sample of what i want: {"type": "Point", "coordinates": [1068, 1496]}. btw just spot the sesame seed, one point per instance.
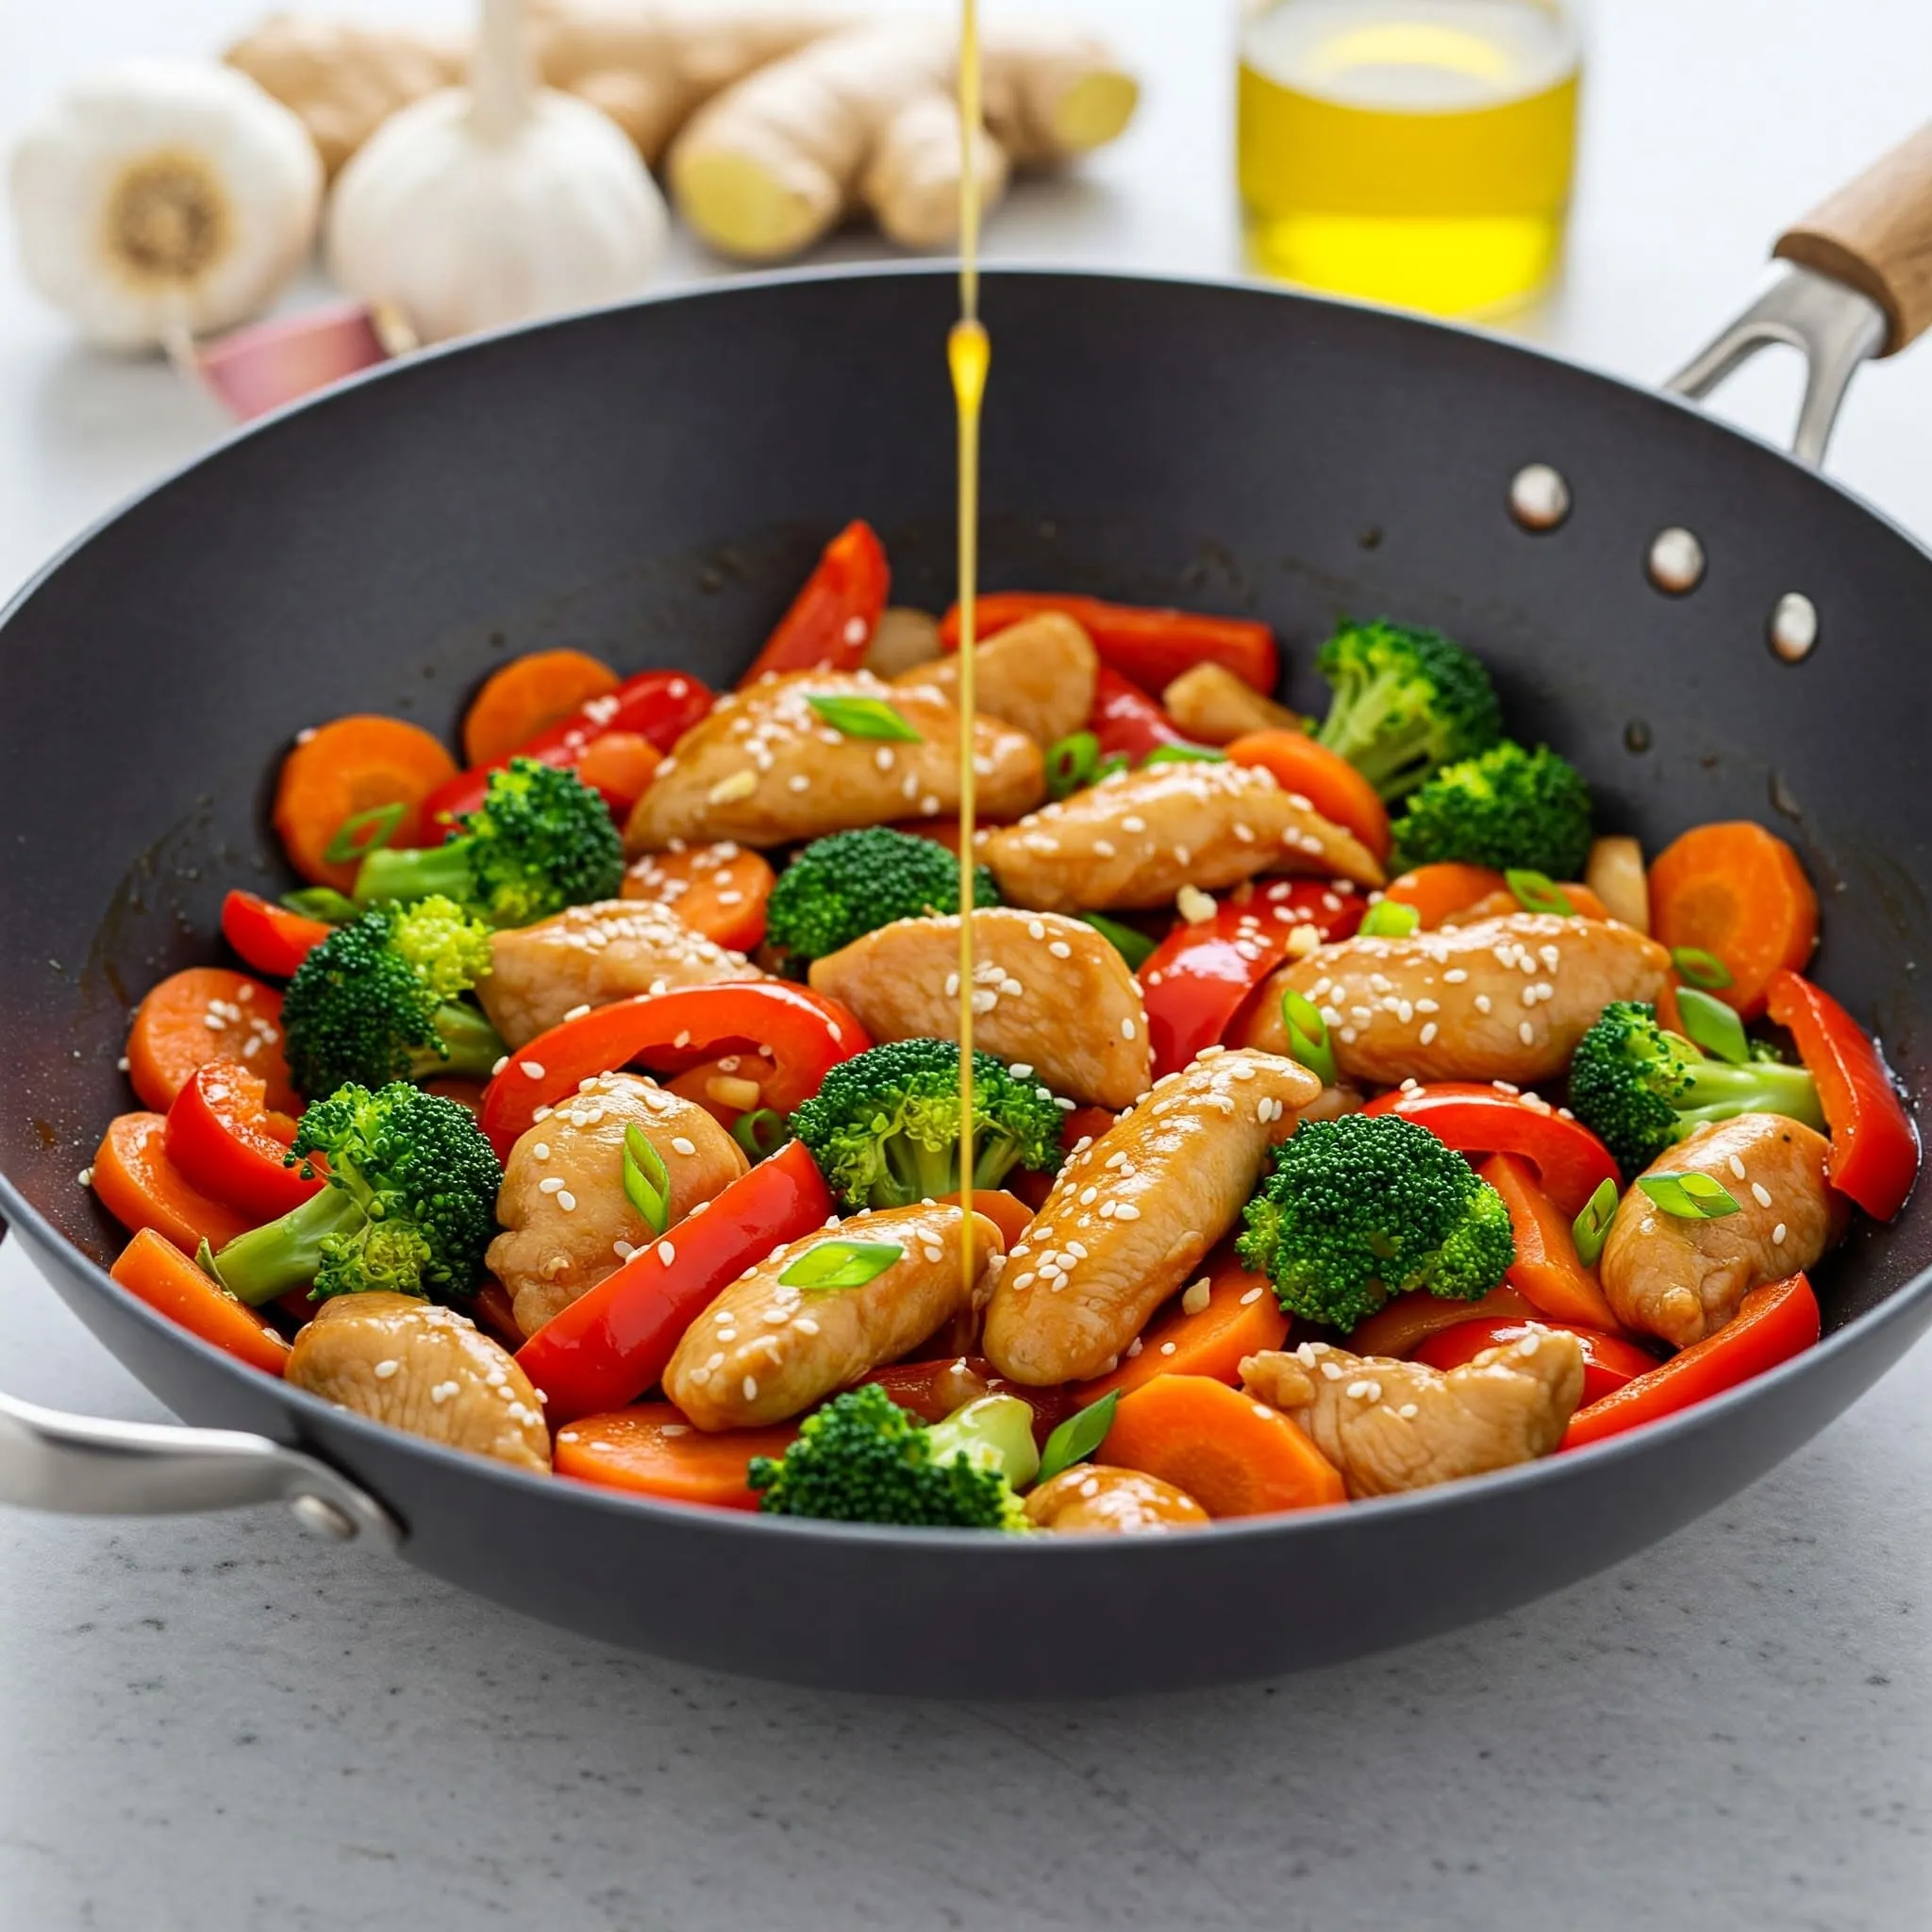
{"type": "Point", "coordinates": [1482, 1003]}
{"type": "Point", "coordinates": [531, 1070]}
{"type": "Point", "coordinates": [1167, 1348]}
{"type": "Point", "coordinates": [1429, 1033]}
{"type": "Point", "coordinates": [750, 1386]}
{"type": "Point", "coordinates": [550, 1184]}
{"type": "Point", "coordinates": [1737, 1167]}
{"type": "Point", "coordinates": [384, 1370]}
{"type": "Point", "coordinates": [666, 1253]}
{"type": "Point", "coordinates": [1408, 1411]}
{"type": "Point", "coordinates": [566, 1200]}
{"type": "Point", "coordinates": [1254, 1295]}
{"type": "Point", "coordinates": [1126, 1029]}
{"type": "Point", "coordinates": [1760, 1194]}
{"type": "Point", "coordinates": [443, 1391]}
{"type": "Point", "coordinates": [579, 1012]}
{"type": "Point", "coordinates": [502, 1061]}
{"type": "Point", "coordinates": [1455, 975]}
{"type": "Point", "coordinates": [1126, 1211]}
{"type": "Point", "coordinates": [680, 1145]}
{"type": "Point", "coordinates": [1777, 1235]}
{"type": "Point", "coordinates": [1526, 1033]}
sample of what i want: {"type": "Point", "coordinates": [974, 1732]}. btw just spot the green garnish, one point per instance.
{"type": "Point", "coordinates": [1700, 968]}
{"type": "Point", "coordinates": [1307, 1035]}
{"type": "Point", "coordinates": [1591, 1227]}
{"type": "Point", "coordinates": [1072, 762]}
{"type": "Point", "coordinates": [864, 718]}
{"type": "Point", "coordinates": [1713, 1025]}
{"type": "Point", "coordinates": [1079, 1437]}
{"type": "Point", "coordinates": [323, 902]}
{"type": "Point", "coordinates": [1536, 892]}
{"type": "Point", "coordinates": [1690, 1196]}
{"type": "Point", "coordinates": [1136, 948]}
{"type": "Point", "coordinates": [646, 1180]}
{"type": "Point", "coordinates": [834, 1265]}
{"type": "Point", "coordinates": [1390, 918]}
{"type": "Point", "coordinates": [1184, 755]}
{"type": "Point", "coordinates": [364, 832]}
{"type": "Point", "coordinates": [761, 1132]}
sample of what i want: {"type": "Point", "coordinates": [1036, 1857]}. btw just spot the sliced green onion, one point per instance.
{"type": "Point", "coordinates": [1690, 1196]}
{"type": "Point", "coordinates": [1071, 762]}
{"type": "Point", "coordinates": [864, 717]}
{"type": "Point", "coordinates": [761, 1132]}
{"type": "Point", "coordinates": [1307, 1035]}
{"type": "Point", "coordinates": [323, 902]}
{"type": "Point", "coordinates": [1079, 1437]}
{"type": "Point", "coordinates": [1536, 892]}
{"type": "Point", "coordinates": [1136, 948]}
{"type": "Point", "coordinates": [1700, 968]}
{"type": "Point", "coordinates": [1184, 755]}
{"type": "Point", "coordinates": [1114, 761]}
{"type": "Point", "coordinates": [1390, 918]}
{"type": "Point", "coordinates": [364, 832]}
{"type": "Point", "coordinates": [834, 1265]}
{"type": "Point", "coordinates": [1713, 1025]}
{"type": "Point", "coordinates": [646, 1179]}
{"type": "Point", "coordinates": [1593, 1226]}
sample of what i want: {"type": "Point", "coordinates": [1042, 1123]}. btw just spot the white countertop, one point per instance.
{"type": "Point", "coordinates": [216, 1724]}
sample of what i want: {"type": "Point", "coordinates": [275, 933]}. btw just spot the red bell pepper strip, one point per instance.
{"type": "Point", "coordinates": [1150, 647]}
{"type": "Point", "coordinates": [1547, 1271]}
{"type": "Point", "coordinates": [660, 705]}
{"type": "Point", "coordinates": [1875, 1145]}
{"type": "Point", "coordinates": [1127, 723]}
{"type": "Point", "coordinates": [1198, 976]}
{"type": "Point", "coordinates": [805, 1033]}
{"type": "Point", "coordinates": [832, 619]}
{"type": "Point", "coordinates": [269, 937]}
{"type": "Point", "coordinates": [1609, 1363]}
{"type": "Point", "coordinates": [1474, 1119]}
{"type": "Point", "coordinates": [1773, 1324]}
{"type": "Point", "coordinates": [227, 1143]}
{"type": "Point", "coordinates": [614, 1342]}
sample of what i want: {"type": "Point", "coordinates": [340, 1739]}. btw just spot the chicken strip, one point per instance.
{"type": "Point", "coordinates": [1506, 999]}
{"type": "Point", "coordinates": [1682, 1279]}
{"type": "Point", "coordinates": [767, 1349]}
{"type": "Point", "coordinates": [568, 1221]}
{"type": "Point", "coordinates": [1050, 994]}
{"type": "Point", "coordinates": [764, 768]}
{"type": "Point", "coordinates": [1137, 838]}
{"type": "Point", "coordinates": [1036, 675]}
{"type": "Point", "coordinates": [591, 956]}
{"type": "Point", "coordinates": [1131, 1215]}
{"type": "Point", "coordinates": [1388, 1425]}
{"type": "Point", "coordinates": [1091, 1499]}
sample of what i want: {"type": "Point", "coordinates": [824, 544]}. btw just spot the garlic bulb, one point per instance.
{"type": "Point", "coordinates": [164, 197]}
{"type": "Point", "coordinates": [472, 209]}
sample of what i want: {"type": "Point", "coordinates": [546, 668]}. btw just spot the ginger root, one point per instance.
{"type": "Point", "coordinates": [866, 118]}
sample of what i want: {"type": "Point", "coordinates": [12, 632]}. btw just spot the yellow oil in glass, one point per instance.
{"type": "Point", "coordinates": [1417, 152]}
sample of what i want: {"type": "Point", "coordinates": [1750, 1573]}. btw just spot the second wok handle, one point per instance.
{"type": "Point", "coordinates": [1876, 235]}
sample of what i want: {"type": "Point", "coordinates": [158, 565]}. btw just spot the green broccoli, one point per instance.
{"type": "Point", "coordinates": [410, 1206]}
{"type": "Point", "coordinates": [1368, 1207]}
{"type": "Point", "coordinates": [884, 1127]}
{"type": "Point", "coordinates": [376, 1001]}
{"type": "Point", "coordinates": [542, 840]}
{"type": "Point", "coordinates": [1641, 1089]}
{"type": "Point", "coordinates": [1507, 808]}
{"type": "Point", "coordinates": [842, 887]}
{"type": "Point", "coordinates": [1405, 703]}
{"type": "Point", "coordinates": [862, 1459]}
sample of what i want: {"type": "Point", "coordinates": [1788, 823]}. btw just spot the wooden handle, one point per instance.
{"type": "Point", "coordinates": [1875, 234]}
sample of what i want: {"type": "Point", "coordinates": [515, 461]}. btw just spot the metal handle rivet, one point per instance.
{"type": "Point", "coordinates": [1794, 627]}
{"type": "Point", "coordinates": [322, 1518]}
{"type": "Point", "coordinates": [1676, 561]}
{"type": "Point", "coordinates": [1538, 497]}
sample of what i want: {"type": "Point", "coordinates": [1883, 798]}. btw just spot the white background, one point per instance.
{"type": "Point", "coordinates": [216, 1724]}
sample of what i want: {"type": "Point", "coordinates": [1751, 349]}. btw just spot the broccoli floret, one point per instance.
{"type": "Point", "coordinates": [884, 1127]}
{"type": "Point", "coordinates": [1507, 808]}
{"type": "Point", "coordinates": [542, 840]}
{"type": "Point", "coordinates": [862, 1459]}
{"type": "Point", "coordinates": [1405, 701]}
{"type": "Point", "coordinates": [410, 1206]}
{"type": "Point", "coordinates": [1641, 1089]}
{"type": "Point", "coordinates": [840, 888]}
{"type": "Point", "coordinates": [376, 1001]}
{"type": "Point", "coordinates": [1368, 1207]}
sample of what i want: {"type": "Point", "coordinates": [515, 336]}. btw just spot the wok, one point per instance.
{"type": "Point", "coordinates": [653, 481]}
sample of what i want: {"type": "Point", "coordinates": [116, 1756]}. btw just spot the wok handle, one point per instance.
{"type": "Point", "coordinates": [1875, 234]}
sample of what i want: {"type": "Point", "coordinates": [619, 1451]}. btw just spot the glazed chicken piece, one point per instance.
{"type": "Point", "coordinates": [764, 768]}
{"type": "Point", "coordinates": [1051, 993]}
{"type": "Point", "coordinates": [426, 1368]}
{"type": "Point", "coordinates": [1506, 999]}
{"type": "Point", "coordinates": [1388, 1425]}
{"type": "Point", "coordinates": [1036, 675]}
{"type": "Point", "coordinates": [1138, 837]}
{"type": "Point", "coordinates": [767, 1349]}
{"type": "Point", "coordinates": [1214, 706]}
{"type": "Point", "coordinates": [1682, 1280]}
{"type": "Point", "coordinates": [1131, 1215]}
{"type": "Point", "coordinates": [591, 956]}
{"type": "Point", "coordinates": [567, 1220]}
{"type": "Point", "coordinates": [1091, 1499]}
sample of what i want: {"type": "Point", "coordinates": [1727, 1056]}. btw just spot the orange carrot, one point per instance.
{"type": "Point", "coordinates": [1436, 891]}
{"type": "Point", "coordinates": [651, 1449]}
{"type": "Point", "coordinates": [142, 1188]}
{"type": "Point", "coordinates": [1547, 1270]}
{"type": "Point", "coordinates": [156, 1272]}
{"type": "Point", "coordinates": [527, 695]}
{"type": "Point", "coordinates": [725, 1087]}
{"type": "Point", "coordinates": [620, 764]}
{"type": "Point", "coordinates": [1236, 1456]}
{"type": "Point", "coordinates": [354, 765]}
{"type": "Point", "coordinates": [208, 1013]}
{"type": "Point", "coordinates": [1583, 903]}
{"type": "Point", "coordinates": [1738, 892]}
{"type": "Point", "coordinates": [1411, 1319]}
{"type": "Point", "coordinates": [1324, 779]}
{"type": "Point", "coordinates": [719, 890]}
{"type": "Point", "coordinates": [1006, 1212]}
{"type": "Point", "coordinates": [1242, 1318]}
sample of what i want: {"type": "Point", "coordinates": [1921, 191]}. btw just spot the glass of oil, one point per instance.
{"type": "Point", "coordinates": [1416, 152]}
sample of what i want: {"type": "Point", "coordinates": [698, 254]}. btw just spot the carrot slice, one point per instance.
{"type": "Point", "coordinates": [354, 765]}
{"type": "Point", "coordinates": [1436, 891]}
{"type": "Point", "coordinates": [1547, 1270]}
{"type": "Point", "coordinates": [1499, 905]}
{"type": "Point", "coordinates": [1006, 1212]}
{"type": "Point", "coordinates": [156, 1272]}
{"type": "Point", "coordinates": [1242, 1318]}
{"type": "Point", "coordinates": [1324, 779]}
{"type": "Point", "coordinates": [651, 1449]}
{"type": "Point", "coordinates": [621, 765]}
{"type": "Point", "coordinates": [528, 696]}
{"type": "Point", "coordinates": [208, 1013]}
{"type": "Point", "coordinates": [1236, 1456]}
{"type": "Point", "coordinates": [142, 1188]}
{"type": "Point", "coordinates": [1411, 1319]}
{"type": "Point", "coordinates": [1738, 892]}
{"type": "Point", "coordinates": [719, 890]}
